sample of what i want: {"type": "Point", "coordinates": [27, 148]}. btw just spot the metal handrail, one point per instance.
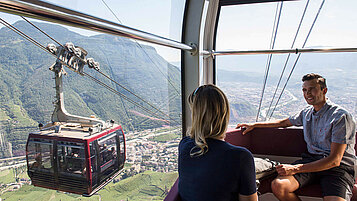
{"type": "Point", "coordinates": [53, 13]}
{"type": "Point", "coordinates": [278, 51]}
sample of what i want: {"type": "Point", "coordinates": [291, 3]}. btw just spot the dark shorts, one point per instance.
{"type": "Point", "coordinates": [337, 181]}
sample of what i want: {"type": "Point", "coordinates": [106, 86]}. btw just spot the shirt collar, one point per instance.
{"type": "Point", "coordinates": [323, 109]}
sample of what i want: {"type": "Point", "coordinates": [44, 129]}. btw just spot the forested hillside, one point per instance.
{"type": "Point", "coordinates": [26, 84]}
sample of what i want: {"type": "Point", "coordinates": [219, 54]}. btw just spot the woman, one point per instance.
{"type": "Point", "coordinates": [209, 167]}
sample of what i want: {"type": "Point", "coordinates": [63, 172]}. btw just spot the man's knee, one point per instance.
{"type": "Point", "coordinates": [278, 186]}
{"type": "Point", "coordinates": [284, 185]}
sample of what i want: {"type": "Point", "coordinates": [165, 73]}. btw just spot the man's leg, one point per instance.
{"type": "Point", "coordinates": [337, 183]}
{"type": "Point", "coordinates": [333, 198]}
{"type": "Point", "coordinates": [283, 188]}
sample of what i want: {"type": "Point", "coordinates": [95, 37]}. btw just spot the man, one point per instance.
{"type": "Point", "coordinates": [329, 132]}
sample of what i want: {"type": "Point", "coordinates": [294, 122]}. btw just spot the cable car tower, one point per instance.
{"type": "Point", "coordinates": [72, 153]}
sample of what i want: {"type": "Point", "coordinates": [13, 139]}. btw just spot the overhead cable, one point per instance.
{"type": "Point", "coordinates": [94, 79]}
{"type": "Point", "coordinates": [121, 99]}
{"type": "Point", "coordinates": [106, 76]}
{"type": "Point", "coordinates": [143, 121]}
{"type": "Point", "coordinates": [125, 97]}
{"type": "Point", "coordinates": [287, 59]}
{"type": "Point", "coordinates": [23, 34]}
{"type": "Point", "coordinates": [298, 57]}
{"type": "Point", "coordinates": [272, 44]}
{"type": "Point", "coordinates": [148, 56]}
{"type": "Point", "coordinates": [167, 78]}
{"type": "Point", "coordinates": [41, 30]}
{"type": "Point", "coordinates": [112, 12]}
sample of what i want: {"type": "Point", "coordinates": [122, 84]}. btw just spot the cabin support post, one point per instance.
{"type": "Point", "coordinates": [189, 61]}
{"type": "Point", "coordinates": [208, 43]}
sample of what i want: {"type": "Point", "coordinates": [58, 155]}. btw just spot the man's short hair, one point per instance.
{"type": "Point", "coordinates": [320, 80]}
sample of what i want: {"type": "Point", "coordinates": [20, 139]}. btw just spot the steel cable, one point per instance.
{"type": "Point", "coordinates": [152, 61]}
{"type": "Point", "coordinates": [94, 79]}
{"type": "Point", "coordinates": [287, 59]}
{"type": "Point", "coordinates": [23, 35]}
{"type": "Point", "coordinates": [106, 76]}
{"type": "Point", "coordinates": [122, 95]}
{"type": "Point", "coordinates": [168, 80]}
{"type": "Point", "coordinates": [121, 99]}
{"type": "Point", "coordinates": [272, 44]}
{"type": "Point", "coordinates": [41, 30]}
{"type": "Point", "coordinates": [298, 57]}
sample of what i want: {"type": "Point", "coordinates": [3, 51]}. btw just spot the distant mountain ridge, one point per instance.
{"type": "Point", "coordinates": [26, 84]}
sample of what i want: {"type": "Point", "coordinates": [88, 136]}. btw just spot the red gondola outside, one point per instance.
{"type": "Point", "coordinates": [61, 160]}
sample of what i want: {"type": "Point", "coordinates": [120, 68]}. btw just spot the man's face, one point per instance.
{"type": "Point", "coordinates": [313, 93]}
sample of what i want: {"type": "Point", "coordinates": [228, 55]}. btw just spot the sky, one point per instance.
{"type": "Point", "coordinates": [162, 18]}
{"type": "Point", "coordinates": [240, 27]}
{"type": "Point", "coordinates": [252, 28]}
{"type": "Point", "coordinates": [148, 15]}
{"type": "Point", "coordinates": [335, 26]}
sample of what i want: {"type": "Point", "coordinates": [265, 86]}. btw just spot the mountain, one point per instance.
{"type": "Point", "coordinates": [326, 64]}
{"type": "Point", "coordinates": [147, 185]}
{"type": "Point", "coordinates": [26, 84]}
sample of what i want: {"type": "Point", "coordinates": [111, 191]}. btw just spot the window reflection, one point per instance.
{"type": "Point", "coordinates": [40, 155]}
{"type": "Point", "coordinates": [71, 158]}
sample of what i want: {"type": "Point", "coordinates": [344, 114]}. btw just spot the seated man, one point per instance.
{"type": "Point", "coordinates": [329, 132]}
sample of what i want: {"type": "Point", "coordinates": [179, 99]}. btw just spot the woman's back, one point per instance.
{"type": "Point", "coordinates": [222, 173]}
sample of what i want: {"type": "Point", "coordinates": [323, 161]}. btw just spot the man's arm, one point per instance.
{"type": "Point", "coordinates": [281, 123]}
{"type": "Point", "coordinates": [333, 160]}
{"type": "Point", "coordinates": [253, 197]}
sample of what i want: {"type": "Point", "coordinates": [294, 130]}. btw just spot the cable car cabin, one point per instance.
{"type": "Point", "coordinates": [73, 160]}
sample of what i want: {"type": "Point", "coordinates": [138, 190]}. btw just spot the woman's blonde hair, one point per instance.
{"type": "Point", "coordinates": [210, 116]}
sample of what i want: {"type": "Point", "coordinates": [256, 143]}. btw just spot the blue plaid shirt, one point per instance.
{"type": "Point", "coordinates": [330, 124]}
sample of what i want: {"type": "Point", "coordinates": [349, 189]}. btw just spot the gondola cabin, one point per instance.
{"type": "Point", "coordinates": [69, 158]}
{"type": "Point", "coordinates": [73, 153]}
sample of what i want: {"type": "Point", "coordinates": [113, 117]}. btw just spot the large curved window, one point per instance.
{"type": "Point", "coordinates": [144, 95]}
{"type": "Point", "coordinates": [250, 27]}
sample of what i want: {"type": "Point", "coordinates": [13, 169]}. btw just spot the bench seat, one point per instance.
{"type": "Point", "coordinates": [271, 143]}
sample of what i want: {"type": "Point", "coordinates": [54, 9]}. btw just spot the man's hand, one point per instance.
{"type": "Point", "coordinates": [287, 170]}
{"type": "Point", "coordinates": [248, 127]}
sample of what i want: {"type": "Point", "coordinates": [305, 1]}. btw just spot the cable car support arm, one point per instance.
{"type": "Point", "coordinates": [74, 57]}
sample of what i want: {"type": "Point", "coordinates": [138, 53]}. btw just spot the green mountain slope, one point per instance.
{"type": "Point", "coordinates": [144, 186]}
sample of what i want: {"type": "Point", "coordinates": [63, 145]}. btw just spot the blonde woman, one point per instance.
{"type": "Point", "coordinates": [209, 167]}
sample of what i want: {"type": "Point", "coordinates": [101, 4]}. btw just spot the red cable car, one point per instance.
{"type": "Point", "coordinates": [74, 154]}
{"type": "Point", "coordinates": [73, 160]}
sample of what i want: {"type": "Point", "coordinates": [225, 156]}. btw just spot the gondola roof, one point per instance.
{"type": "Point", "coordinates": [73, 131]}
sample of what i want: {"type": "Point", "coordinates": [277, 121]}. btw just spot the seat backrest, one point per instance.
{"type": "Point", "coordinates": [270, 141]}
